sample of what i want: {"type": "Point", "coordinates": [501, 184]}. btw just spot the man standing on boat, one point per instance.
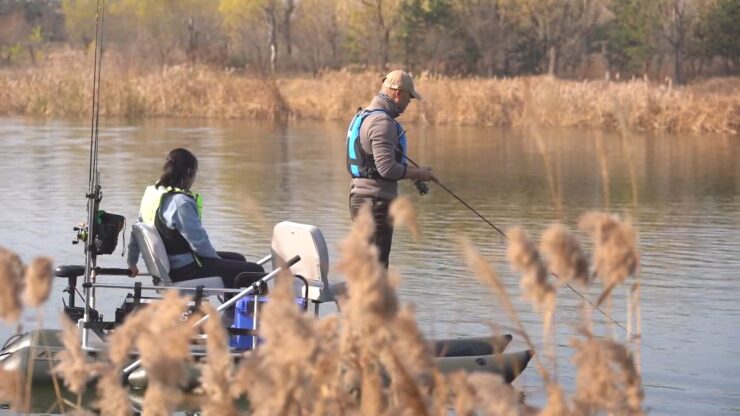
{"type": "Point", "coordinates": [376, 155]}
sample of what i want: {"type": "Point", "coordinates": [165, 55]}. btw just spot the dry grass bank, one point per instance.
{"type": "Point", "coordinates": [60, 87]}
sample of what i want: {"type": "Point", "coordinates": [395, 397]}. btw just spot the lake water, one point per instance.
{"type": "Point", "coordinates": [683, 194]}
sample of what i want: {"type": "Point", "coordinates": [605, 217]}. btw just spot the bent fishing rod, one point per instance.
{"type": "Point", "coordinates": [441, 185]}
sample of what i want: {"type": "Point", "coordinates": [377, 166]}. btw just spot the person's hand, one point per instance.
{"type": "Point", "coordinates": [425, 174]}
{"type": "Point", "coordinates": [133, 271]}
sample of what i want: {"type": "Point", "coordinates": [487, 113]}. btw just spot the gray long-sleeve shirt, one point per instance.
{"type": "Point", "coordinates": [180, 213]}
{"type": "Point", "coordinates": [379, 137]}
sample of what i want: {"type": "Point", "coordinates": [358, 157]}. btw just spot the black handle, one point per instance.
{"type": "Point", "coordinates": [295, 259]}
{"type": "Point", "coordinates": [113, 271]}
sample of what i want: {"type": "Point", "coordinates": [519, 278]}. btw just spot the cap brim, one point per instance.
{"type": "Point", "coordinates": [416, 95]}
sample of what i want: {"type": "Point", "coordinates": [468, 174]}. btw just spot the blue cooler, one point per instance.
{"type": "Point", "coordinates": [244, 319]}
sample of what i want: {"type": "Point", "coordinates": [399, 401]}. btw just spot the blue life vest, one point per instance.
{"type": "Point", "coordinates": [360, 164]}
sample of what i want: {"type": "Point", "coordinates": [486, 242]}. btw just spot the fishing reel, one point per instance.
{"type": "Point", "coordinates": [422, 187]}
{"type": "Point", "coordinates": [80, 233]}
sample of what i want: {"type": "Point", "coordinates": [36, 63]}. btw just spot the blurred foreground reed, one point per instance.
{"type": "Point", "coordinates": [372, 358]}
{"type": "Point", "coordinates": [60, 87]}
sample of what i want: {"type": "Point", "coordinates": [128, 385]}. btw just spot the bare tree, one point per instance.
{"type": "Point", "coordinates": [677, 18]}
{"type": "Point", "coordinates": [556, 22]}
{"type": "Point", "coordinates": [386, 16]}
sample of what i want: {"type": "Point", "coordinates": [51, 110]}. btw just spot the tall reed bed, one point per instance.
{"type": "Point", "coordinates": [372, 358]}
{"type": "Point", "coordinates": [61, 87]}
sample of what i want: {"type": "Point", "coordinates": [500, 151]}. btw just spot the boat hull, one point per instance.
{"type": "Point", "coordinates": [36, 353]}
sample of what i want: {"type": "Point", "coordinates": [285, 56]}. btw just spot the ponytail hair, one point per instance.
{"type": "Point", "coordinates": [178, 170]}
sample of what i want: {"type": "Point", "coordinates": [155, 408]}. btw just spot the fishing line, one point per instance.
{"type": "Point", "coordinates": [614, 321]}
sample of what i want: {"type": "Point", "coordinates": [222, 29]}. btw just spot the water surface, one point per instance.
{"type": "Point", "coordinates": [681, 192]}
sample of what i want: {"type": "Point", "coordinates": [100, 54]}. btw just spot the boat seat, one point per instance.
{"type": "Point", "coordinates": [290, 239]}
{"type": "Point", "coordinates": [155, 256]}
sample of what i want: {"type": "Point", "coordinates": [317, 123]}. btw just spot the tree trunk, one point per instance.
{"type": "Point", "coordinates": [193, 35]}
{"type": "Point", "coordinates": [289, 9]}
{"type": "Point", "coordinates": [552, 59]}
{"type": "Point", "coordinates": [272, 27]}
{"type": "Point", "coordinates": [385, 54]}
{"type": "Point", "coordinates": [677, 66]}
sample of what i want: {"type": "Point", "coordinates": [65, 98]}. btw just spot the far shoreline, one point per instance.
{"type": "Point", "coordinates": [60, 88]}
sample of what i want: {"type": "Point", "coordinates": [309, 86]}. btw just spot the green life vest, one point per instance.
{"type": "Point", "coordinates": [152, 200]}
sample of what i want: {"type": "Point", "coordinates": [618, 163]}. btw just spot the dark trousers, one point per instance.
{"type": "Point", "coordinates": [383, 236]}
{"type": "Point", "coordinates": [233, 268]}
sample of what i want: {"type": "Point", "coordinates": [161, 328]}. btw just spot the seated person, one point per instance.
{"type": "Point", "coordinates": [176, 213]}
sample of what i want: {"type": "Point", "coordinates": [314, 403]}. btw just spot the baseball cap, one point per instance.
{"type": "Point", "coordinates": [401, 80]}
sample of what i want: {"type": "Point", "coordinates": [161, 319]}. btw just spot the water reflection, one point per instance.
{"type": "Point", "coordinates": [681, 192]}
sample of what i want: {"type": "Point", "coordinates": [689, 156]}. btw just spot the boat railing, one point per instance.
{"type": "Point", "coordinates": [231, 302]}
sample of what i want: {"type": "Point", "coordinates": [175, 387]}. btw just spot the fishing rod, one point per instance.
{"type": "Point", "coordinates": [94, 194]}
{"type": "Point", "coordinates": [435, 180]}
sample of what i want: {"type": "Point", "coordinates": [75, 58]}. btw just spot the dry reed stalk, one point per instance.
{"type": "Point", "coordinates": [606, 378]}
{"type": "Point", "coordinates": [112, 396]}
{"type": "Point", "coordinates": [524, 258]}
{"type": "Point", "coordinates": [12, 390]}
{"type": "Point", "coordinates": [11, 285]}
{"type": "Point", "coordinates": [441, 397]}
{"type": "Point", "coordinates": [216, 377]}
{"type": "Point", "coordinates": [373, 400]}
{"type": "Point", "coordinates": [286, 358]}
{"type": "Point", "coordinates": [566, 258]}
{"type": "Point", "coordinates": [557, 402]}
{"type": "Point", "coordinates": [636, 335]}
{"type": "Point", "coordinates": [412, 379]}
{"type": "Point", "coordinates": [480, 393]}
{"type": "Point", "coordinates": [403, 214]}
{"type": "Point", "coordinates": [371, 294]}
{"type": "Point", "coordinates": [79, 412]}
{"type": "Point", "coordinates": [615, 249]}
{"type": "Point", "coordinates": [485, 274]}
{"type": "Point", "coordinates": [163, 341]}
{"type": "Point", "coordinates": [627, 148]}
{"type": "Point", "coordinates": [370, 305]}
{"type": "Point", "coordinates": [38, 281]}
{"type": "Point", "coordinates": [73, 366]}
{"type": "Point", "coordinates": [463, 393]}
{"type": "Point", "coordinates": [531, 113]}
{"type": "Point", "coordinates": [332, 398]}
{"type": "Point", "coordinates": [407, 397]}
{"type": "Point", "coordinates": [603, 170]}
{"type": "Point", "coordinates": [418, 355]}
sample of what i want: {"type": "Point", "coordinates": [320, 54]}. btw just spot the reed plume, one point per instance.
{"type": "Point", "coordinates": [566, 258]}
{"type": "Point", "coordinates": [403, 213]}
{"type": "Point", "coordinates": [12, 390]}
{"type": "Point", "coordinates": [486, 275]}
{"type": "Point", "coordinates": [412, 378]}
{"type": "Point", "coordinates": [406, 396]}
{"type": "Point", "coordinates": [289, 345]}
{"type": "Point", "coordinates": [11, 285]}
{"type": "Point", "coordinates": [525, 258]}
{"type": "Point", "coordinates": [557, 402]}
{"type": "Point", "coordinates": [38, 281]}
{"type": "Point", "coordinates": [113, 398]}
{"type": "Point", "coordinates": [217, 375]}
{"type": "Point", "coordinates": [615, 249]}
{"type": "Point", "coordinates": [163, 342]}
{"type": "Point", "coordinates": [606, 378]}
{"type": "Point", "coordinates": [371, 303]}
{"type": "Point", "coordinates": [484, 394]}
{"type": "Point", "coordinates": [73, 366]}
